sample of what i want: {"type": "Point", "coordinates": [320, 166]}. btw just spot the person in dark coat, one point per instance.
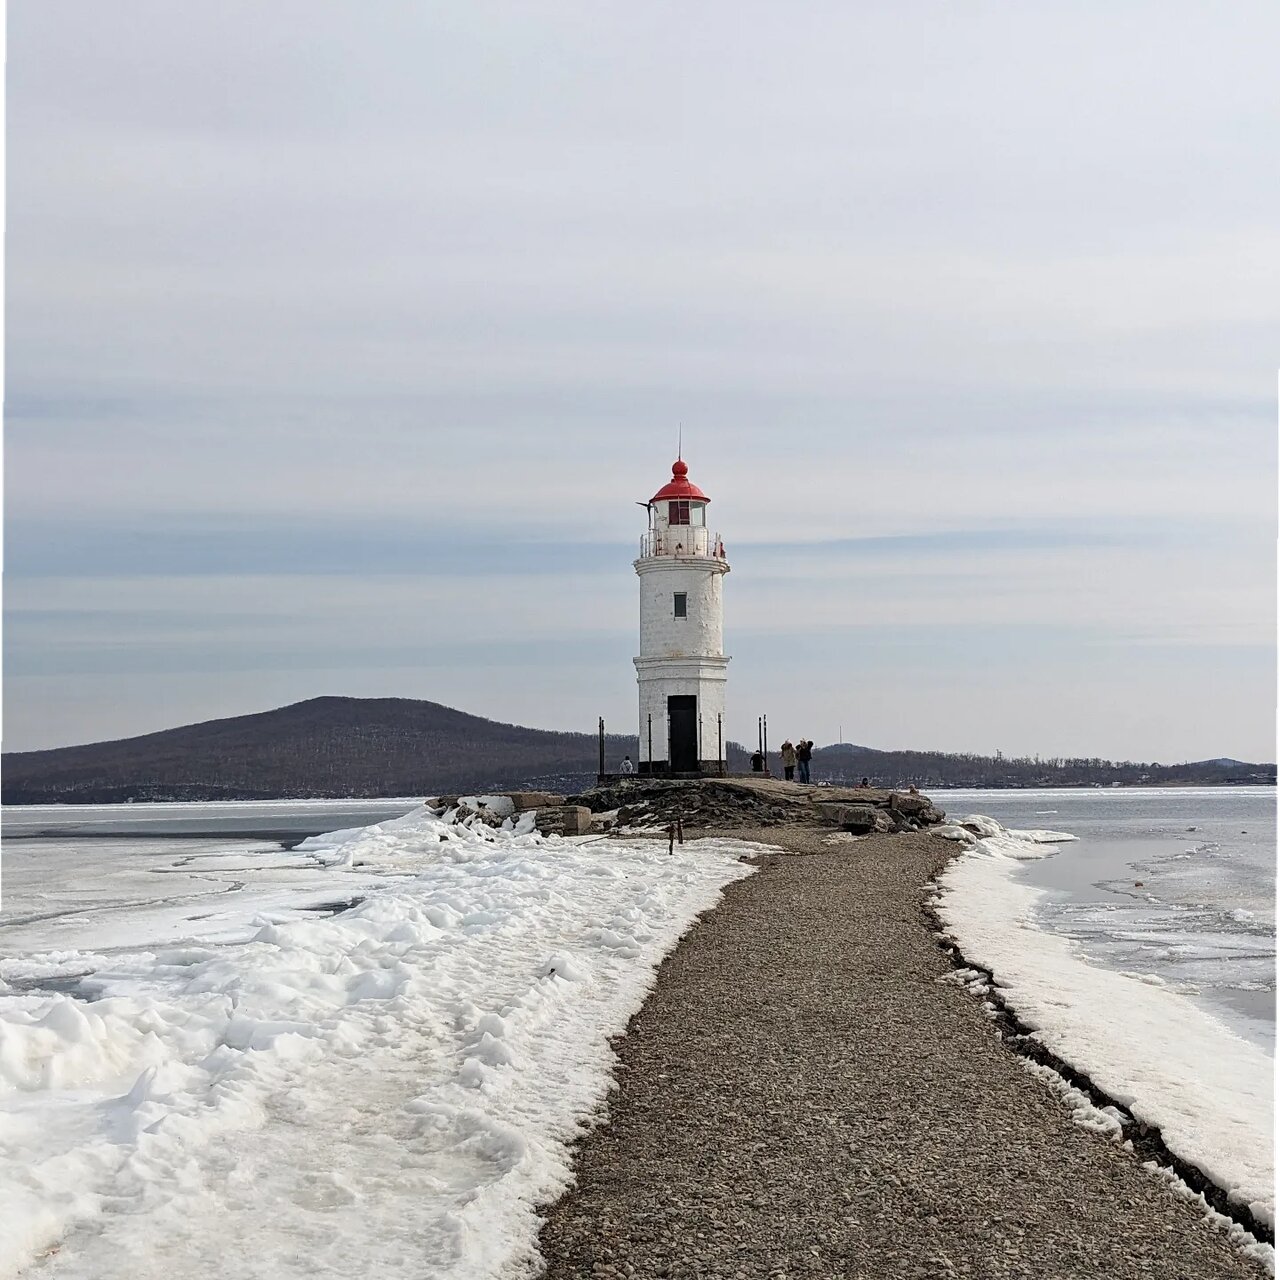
{"type": "Point", "coordinates": [804, 753]}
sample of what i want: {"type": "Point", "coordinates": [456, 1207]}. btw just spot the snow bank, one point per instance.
{"type": "Point", "coordinates": [394, 1084]}
{"type": "Point", "coordinates": [1172, 1066]}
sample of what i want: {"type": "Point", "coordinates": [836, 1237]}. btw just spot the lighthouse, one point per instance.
{"type": "Point", "coordinates": [682, 667]}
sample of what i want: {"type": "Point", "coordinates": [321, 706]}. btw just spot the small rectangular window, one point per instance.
{"type": "Point", "coordinates": [678, 512]}
{"type": "Point", "coordinates": [682, 604]}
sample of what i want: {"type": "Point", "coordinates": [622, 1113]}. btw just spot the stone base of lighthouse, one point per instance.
{"type": "Point", "coordinates": [682, 715]}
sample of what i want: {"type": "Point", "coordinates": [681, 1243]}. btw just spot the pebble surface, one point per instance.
{"type": "Point", "coordinates": [803, 1096]}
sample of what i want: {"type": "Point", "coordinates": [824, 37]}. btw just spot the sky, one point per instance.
{"type": "Point", "coordinates": [341, 341]}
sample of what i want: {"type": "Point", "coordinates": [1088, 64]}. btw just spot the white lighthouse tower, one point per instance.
{"type": "Point", "coordinates": [682, 666]}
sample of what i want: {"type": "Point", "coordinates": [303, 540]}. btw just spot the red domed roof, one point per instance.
{"type": "Point", "coordinates": [679, 486]}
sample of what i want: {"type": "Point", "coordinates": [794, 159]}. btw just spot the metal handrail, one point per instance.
{"type": "Point", "coordinates": [686, 540]}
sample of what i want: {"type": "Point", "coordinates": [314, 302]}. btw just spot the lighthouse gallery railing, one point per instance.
{"type": "Point", "coordinates": [683, 540]}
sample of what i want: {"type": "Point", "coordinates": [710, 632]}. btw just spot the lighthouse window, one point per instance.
{"type": "Point", "coordinates": [679, 512]}
{"type": "Point", "coordinates": [682, 604]}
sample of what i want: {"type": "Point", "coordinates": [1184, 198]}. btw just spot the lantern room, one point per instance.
{"type": "Point", "coordinates": [678, 519]}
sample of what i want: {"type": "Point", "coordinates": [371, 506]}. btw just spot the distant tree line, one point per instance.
{"type": "Point", "coordinates": [923, 769]}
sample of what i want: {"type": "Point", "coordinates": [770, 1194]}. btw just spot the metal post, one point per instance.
{"type": "Point", "coordinates": [602, 746]}
{"type": "Point", "coordinates": [699, 741]}
{"type": "Point", "coordinates": [720, 741]}
{"type": "Point", "coordinates": [764, 729]}
{"type": "Point", "coordinates": [650, 741]}
{"type": "Point", "coordinates": [759, 735]}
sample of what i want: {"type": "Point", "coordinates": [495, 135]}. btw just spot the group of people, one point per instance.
{"type": "Point", "coordinates": [796, 757]}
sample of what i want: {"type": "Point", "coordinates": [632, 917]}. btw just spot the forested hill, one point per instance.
{"type": "Point", "coordinates": [344, 747]}
{"type": "Point", "coordinates": [338, 747]}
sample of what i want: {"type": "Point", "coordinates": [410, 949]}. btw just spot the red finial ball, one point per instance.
{"type": "Point", "coordinates": [679, 487]}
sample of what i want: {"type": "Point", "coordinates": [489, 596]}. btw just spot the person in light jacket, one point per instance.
{"type": "Point", "coordinates": [627, 766]}
{"type": "Point", "coordinates": [788, 761]}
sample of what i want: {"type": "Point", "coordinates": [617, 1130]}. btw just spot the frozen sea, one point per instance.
{"type": "Point", "coordinates": [234, 1047]}
{"type": "Point", "coordinates": [1175, 882]}
{"type": "Point", "coordinates": [1133, 934]}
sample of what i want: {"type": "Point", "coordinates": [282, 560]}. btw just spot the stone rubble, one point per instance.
{"type": "Point", "coordinates": [711, 804]}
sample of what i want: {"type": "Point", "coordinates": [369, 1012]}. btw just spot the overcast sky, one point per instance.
{"type": "Point", "coordinates": [342, 339]}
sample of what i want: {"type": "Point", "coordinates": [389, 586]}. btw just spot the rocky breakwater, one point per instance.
{"type": "Point", "coordinates": [550, 814]}
{"type": "Point", "coordinates": [735, 803]}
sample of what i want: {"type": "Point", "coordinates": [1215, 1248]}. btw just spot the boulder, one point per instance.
{"type": "Point", "coordinates": [911, 805]}
{"type": "Point", "coordinates": [473, 813]}
{"type": "Point", "coordinates": [860, 819]}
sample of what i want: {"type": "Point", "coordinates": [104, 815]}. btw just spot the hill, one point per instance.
{"type": "Point", "coordinates": [324, 747]}
{"type": "Point", "coordinates": [347, 747]}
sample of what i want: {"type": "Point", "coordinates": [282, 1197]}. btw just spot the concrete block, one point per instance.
{"type": "Point", "coordinates": [524, 800]}
{"type": "Point", "coordinates": [564, 820]}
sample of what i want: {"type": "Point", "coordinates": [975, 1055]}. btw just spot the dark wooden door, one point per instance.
{"type": "Point", "coordinates": [683, 714]}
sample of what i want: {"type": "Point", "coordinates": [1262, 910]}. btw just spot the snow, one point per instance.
{"type": "Point", "coordinates": [261, 1092]}
{"type": "Point", "coordinates": [1166, 1061]}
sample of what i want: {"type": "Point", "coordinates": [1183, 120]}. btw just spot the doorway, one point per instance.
{"type": "Point", "coordinates": [682, 713]}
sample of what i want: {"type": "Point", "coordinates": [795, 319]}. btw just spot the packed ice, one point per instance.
{"type": "Point", "coordinates": [1169, 1063]}
{"type": "Point", "coordinates": [287, 1093]}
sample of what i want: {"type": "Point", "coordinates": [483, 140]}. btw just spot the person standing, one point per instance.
{"type": "Point", "coordinates": [804, 753]}
{"type": "Point", "coordinates": [627, 766]}
{"type": "Point", "coordinates": [789, 760]}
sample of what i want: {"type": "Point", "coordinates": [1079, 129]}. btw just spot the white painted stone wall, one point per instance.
{"type": "Point", "coordinates": [662, 634]}
{"type": "Point", "coordinates": [660, 679]}
{"type": "Point", "coordinates": [680, 656]}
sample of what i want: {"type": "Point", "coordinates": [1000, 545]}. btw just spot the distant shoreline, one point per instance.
{"type": "Point", "coordinates": [193, 797]}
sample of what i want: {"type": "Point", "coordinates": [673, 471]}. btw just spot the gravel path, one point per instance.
{"type": "Point", "coordinates": [801, 1096]}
